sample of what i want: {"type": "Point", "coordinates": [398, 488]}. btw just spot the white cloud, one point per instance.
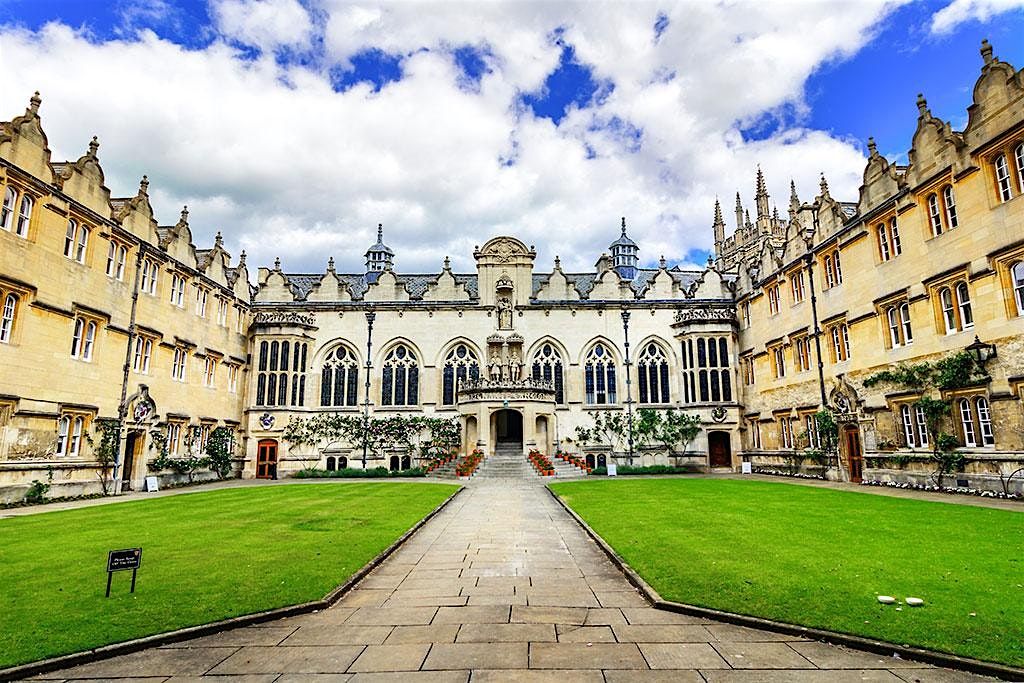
{"type": "Point", "coordinates": [284, 165]}
{"type": "Point", "coordinates": [960, 11]}
{"type": "Point", "coordinates": [266, 24]}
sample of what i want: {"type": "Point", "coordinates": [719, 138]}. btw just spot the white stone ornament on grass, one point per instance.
{"type": "Point", "coordinates": [914, 602]}
{"type": "Point", "coordinates": [886, 599]}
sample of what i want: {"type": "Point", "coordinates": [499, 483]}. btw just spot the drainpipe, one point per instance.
{"type": "Point", "coordinates": [122, 407]}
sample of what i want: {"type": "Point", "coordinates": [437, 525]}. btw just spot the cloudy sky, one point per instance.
{"type": "Point", "coordinates": [295, 126]}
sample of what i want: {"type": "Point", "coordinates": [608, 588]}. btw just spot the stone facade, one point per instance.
{"type": "Point", "coordinates": [99, 304]}
{"type": "Point", "coordinates": [927, 260]}
{"type": "Point", "coordinates": [516, 353]}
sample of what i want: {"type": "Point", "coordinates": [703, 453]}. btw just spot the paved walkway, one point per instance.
{"type": "Point", "coordinates": [502, 586]}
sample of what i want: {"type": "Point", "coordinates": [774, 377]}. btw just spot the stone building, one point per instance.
{"type": "Point", "coordinates": [929, 259]}
{"type": "Point", "coordinates": [103, 308]}
{"type": "Point", "coordinates": [106, 314]}
{"type": "Point", "coordinates": [518, 356]}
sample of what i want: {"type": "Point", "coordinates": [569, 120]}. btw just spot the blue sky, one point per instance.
{"type": "Point", "coordinates": [532, 118]}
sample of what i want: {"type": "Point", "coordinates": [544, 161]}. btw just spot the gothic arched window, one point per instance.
{"type": "Point", "coordinates": [339, 379]}
{"type": "Point", "coordinates": [652, 372]}
{"type": "Point", "coordinates": [461, 363]}
{"type": "Point", "coordinates": [400, 378]}
{"type": "Point", "coordinates": [599, 376]}
{"type": "Point", "coordinates": [547, 364]}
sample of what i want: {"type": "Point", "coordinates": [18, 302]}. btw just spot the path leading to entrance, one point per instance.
{"type": "Point", "coordinates": [502, 586]}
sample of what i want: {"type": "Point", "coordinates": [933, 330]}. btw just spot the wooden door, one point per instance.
{"type": "Point", "coordinates": [266, 459]}
{"type": "Point", "coordinates": [128, 465]}
{"type": "Point", "coordinates": [854, 454]}
{"type": "Point", "coordinates": [719, 452]}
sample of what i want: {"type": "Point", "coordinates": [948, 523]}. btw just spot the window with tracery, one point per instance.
{"type": "Point", "coordinates": [599, 376]}
{"type": "Point", "coordinates": [652, 374]}
{"type": "Point", "coordinates": [707, 375]}
{"type": "Point", "coordinates": [460, 364]}
{"type": "Point", "coordinates": [400, 378]}
{"type": "Point", "coordinates": [339, 378]}
{"type": "Point", "coordinates": [547, 364]}
{"type": "Point", "coordinates": [281, 363]}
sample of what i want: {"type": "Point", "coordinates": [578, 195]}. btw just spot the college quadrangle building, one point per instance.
{"type": "Point", "coordinates": [103, 312]}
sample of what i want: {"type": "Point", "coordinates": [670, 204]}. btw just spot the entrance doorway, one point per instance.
{"type": "Point", "coordinates": [266, 459]}
{"type": "Point", "coordinates": [509, 427]}
{"type": "Point", "coordinates": [854, 454]}
{"type": "Point", "coordinates": [132, 446]}
{"type": "Point", "coordinates": [719, 450]}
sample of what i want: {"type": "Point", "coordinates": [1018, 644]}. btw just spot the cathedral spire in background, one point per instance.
{"type": "Point", "coordinates": [761, 195]}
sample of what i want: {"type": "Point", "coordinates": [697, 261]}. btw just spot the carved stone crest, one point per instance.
{"type": "Point", "coordinates": [715, 314]}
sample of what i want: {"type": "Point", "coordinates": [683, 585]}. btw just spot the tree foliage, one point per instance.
{"type": "Point", "coordinates": [667, 429]}
{"type": "Point", "coordinates": [430, 437]}
{"type": "Point", "coordinates": [955, 371]}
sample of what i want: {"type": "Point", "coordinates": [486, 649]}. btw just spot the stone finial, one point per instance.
{"type": "Point", "coordinates": [94, 145]}
{"type": "Point", "coordinates": [823, 185]}
{"type": "Point", "coordinates": [760, 186]}
{"type": "Point", "coordinates": [241, 258]}
{"type": "Point", "coordinates": [447, 263]}
{"type": "Point", "coordinates": [558, 263]}
{"type": "Point", "coordinates": [277, 264]}
{"type": "Point", "coordinates": [380, 233]}
{"type": "Point", "coordinates": [184, 215]}
{"type": "Point", "coordinates": [794, 200]}
{"type": "Point", "coordinates": [775, 212]}
{"type": "Point", "coordinates": [718, 213]}
{"type": "Point", "coordinates": [986, 52]}
{"type": "Point", "coordinates": [330, 264]}
{"type": "Point", "coordinates": [922, 105]}
{"type": "Point", "coordinates": [662, 263]}
{"type": "Point", "coordinates": [218, 239]}
{"type": "Point", "coordinates": [623, 226]}
{"type": "Point", "coordinates": [746, 217]}
{"type": "Point", "coordinates": [872, 147]}
{"type": "Point", "coordinates": [711, 261]}
{"type": "Point", "coordinates": [34, 102]}
{"type": "Point", "coordinates": [144, 185]}
{"type": "Point", "coordinates": [739, 204]}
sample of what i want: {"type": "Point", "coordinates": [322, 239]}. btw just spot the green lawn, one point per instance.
{"type": "Point", "coordinates": [818, 557]}
{"type": "Point", "coordinates": [206, 556]}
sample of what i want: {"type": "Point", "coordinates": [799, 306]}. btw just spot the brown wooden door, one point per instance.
{"type": "Point", "coordinates": [854, 454]}
{"type": "Point", "coordinates": [719, 452]}
{"type": "Point", "coordinates": [266, 459]}
{"type": "Point", "coordinates": [131, 444]}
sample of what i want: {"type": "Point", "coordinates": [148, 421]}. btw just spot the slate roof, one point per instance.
{"type": "Point", "coordinates": [416, 284]}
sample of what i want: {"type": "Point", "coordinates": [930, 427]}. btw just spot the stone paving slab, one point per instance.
{"type": "Point", "coordinates": [502, 586]}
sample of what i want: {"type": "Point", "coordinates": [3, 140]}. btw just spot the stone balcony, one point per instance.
{"type": "Point", "coordinates": [526, 389]}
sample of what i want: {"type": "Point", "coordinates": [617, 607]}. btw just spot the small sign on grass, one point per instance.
{"type": "Point", "coordinates": [123, 560]}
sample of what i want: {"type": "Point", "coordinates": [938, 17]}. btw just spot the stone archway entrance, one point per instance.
{"type": "Point", "coordinates": [508, 429]}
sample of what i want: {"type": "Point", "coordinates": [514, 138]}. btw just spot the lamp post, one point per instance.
{"type": "Point", "coordinates": [629, 387]}
{"type": "Point", "coordinates": [809, 256]}
{"type": "Point", "coordinates": [370, 317]}
{"type": "Point", "coordinates": [981, 352]}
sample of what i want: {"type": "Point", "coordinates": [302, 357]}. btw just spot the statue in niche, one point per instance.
{"type": "Point", "coordinates": [514, 366]}
{"type": "Point", "coordinates": [504, 313]}
{"type": "Point", "coordinates": [494, 366]}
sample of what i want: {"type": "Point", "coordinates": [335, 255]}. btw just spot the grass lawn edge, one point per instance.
{"type": "Point", "coordinates": [935, 657]}
{"type": "Point", "coordinates": [188, 633]}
